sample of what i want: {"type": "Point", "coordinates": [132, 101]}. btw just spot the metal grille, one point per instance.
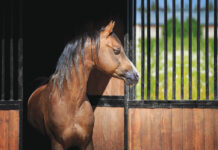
{"type": "Point", "coordinates": [11, 35]}
{"type": "Point", "coordinates": [192, 77]}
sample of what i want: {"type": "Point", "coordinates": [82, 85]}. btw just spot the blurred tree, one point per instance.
{"type": "Point", "coordinates": [178, 28]}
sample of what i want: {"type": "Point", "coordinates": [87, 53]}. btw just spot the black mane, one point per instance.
{"type": "Point", "coordinates": [69, 56]}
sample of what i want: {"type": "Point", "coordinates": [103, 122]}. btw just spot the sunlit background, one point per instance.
{"type": "Point", "coordinates": [178, 49]}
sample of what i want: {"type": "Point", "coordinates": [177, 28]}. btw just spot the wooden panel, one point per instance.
{"type": "Point", "coordinates": [187, 129]}
{"type": "Point", "coordinates": [134, 129]}
{"type": "Point", "coordinates": [166, 129]}
{"type": "Point", "coordinates": [101, 84]}
{"type": "Point", "coordinates": [13, 133]}
{"type": "Point", "coordinates": [177, 129]}
{"type": "Point", "coordinates": [209, 129]}
{"type": "Point", "coordinates": [146, 124]}
{"type": "Point", "coordinates": [4, 117]}
{"type": "Point", "coordinates": [108, 132]}
{"type": "Point", "coordinates": [198, 129]}
{"type": "Point", "coordinates": [215, 112]}
{"type": "Point", "coordinates": [9, 130]}
{"type": "Point", "coordinates": [155, 129]}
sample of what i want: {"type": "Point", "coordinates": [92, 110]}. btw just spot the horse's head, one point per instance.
{"type": "Point", "coordinates": [111, 57]}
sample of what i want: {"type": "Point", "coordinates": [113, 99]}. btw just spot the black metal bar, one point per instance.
{"type": "Point", "coordinates": [173, 104]}
{"type": "Point", "coordinates": [157, 50]}
{"type": "Point", "coordinates": [148, 51]}
{"type": "Point", "coordinates": [11, 68]}
{"type": "Point", "coordinates": [174, 51]}
{"type": "Point", "coordinates": [3, 69]}
{"type": "Point", "coordinates": [142, 49]}
{"type": "Point", "coordinates": [10, 105]}
{"type": "Point", "coordinates": [20, 52]}
{"type": "Point", "coordinates": [126, 118]}
{"type": "Point", "coordinates": [165, 51]}
{"type": "Point", "coordinates": [3, 51]}
{"type": "Point", "coordinates": [11, 50]}
{"type": "Point", "coordinates": [118, 101]}
{"type": "Point", "coordinates": [107, 101]}
{"type": "Point", "coordinates": [215, 50]}
{"type": "Point", "coordinates": [207, 51]}
{"type": "Point", "coordinates": [126, 88]}
{"type": "Point", "coordinates": [198, 51]}
{"type": "Point", "coordinates": [130, 53]}
{"type": "Point", "coordinates": [134, 42]}
{"type": "Point", "coordinates": [182, 49]}
{"type": "Point", "coordinates": [190, 49]}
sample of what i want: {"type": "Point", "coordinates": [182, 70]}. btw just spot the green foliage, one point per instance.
{"type": "Point", "coordinates": [170, 28]}
{"type": "Point", "coordinates": [178, 28]}
{"type": "Point", "coordinates": [194, 28]}
{"type": "Point", "coordinates": [178, 68]}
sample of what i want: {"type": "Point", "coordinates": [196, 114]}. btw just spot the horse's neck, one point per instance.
{"type": "Point", "coordinates": [77, 85]}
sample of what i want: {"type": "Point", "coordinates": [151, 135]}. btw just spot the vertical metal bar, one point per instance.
{"type": "Point", "coordinates": [157, 50]}
{"type": "Point", "coordinates": [20, 52]}
{"type": "Point", "coordinates": [20, 72]}
{"type": "Point", "coordinates": [215, 50]}
{"type": "Point", "coordinates": [165, 51]}
{"type": "Point", "coordinates": [11, 69]}
{"type": "Point", "coordinates": [130, 54]}
{"type": "Point", "coordinates": [11, 50]}
{"type": "Point", "coordinates": [182, 49]}
{"type": "Point", "coordinates": [126, 107]}
{"type": "Point", "coordinates": [142, 49]}
{"type": "Point", "coordinates": [174, 51]}
{"type": "Point", "coordinates": [3, 52]}
{"type": "Point", "coordinates": [190, 49]}
{"type": "Point", "coordinates": [3, 68]}
{"type": "Point", "coordinates": [134, 40]}
{"type": "Point", "coordinates": [206, 51]}
{"type": "Point", "coordinates": [148, 51]}
{"type": "Point", "coordinates": [198, 51]}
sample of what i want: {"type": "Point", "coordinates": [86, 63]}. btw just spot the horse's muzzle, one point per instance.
{"type": "Point", "coordinates": [131, 77]}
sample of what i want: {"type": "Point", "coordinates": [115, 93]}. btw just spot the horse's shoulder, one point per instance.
{"type": "Point", "coordinates": [37, 92]}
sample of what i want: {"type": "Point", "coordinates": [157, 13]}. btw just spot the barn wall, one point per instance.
{"type": "Point", "coordinates": [173, 129]}
{"type": "Point", "coordinates": [9, 129]}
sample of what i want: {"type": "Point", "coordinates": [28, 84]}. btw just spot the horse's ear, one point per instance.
{"type": "Point", "coordinates": [109, 28]}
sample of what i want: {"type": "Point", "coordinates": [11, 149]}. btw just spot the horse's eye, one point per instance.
{"type": "Point", "coordinates": [117, 51]}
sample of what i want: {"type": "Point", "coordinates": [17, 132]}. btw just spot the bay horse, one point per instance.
{"type": "Point", "coordinates": [60, 108]}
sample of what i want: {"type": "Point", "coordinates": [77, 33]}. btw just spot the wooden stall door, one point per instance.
{"type": "Point", "coordinates": [9, 130]}
{"type": "Point", "coordinates": [173, 129]}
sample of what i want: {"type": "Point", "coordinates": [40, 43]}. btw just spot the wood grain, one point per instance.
{"type": "Point", "coordinates": [9, 130]}
{"type": "Point", "coordinates": [166, 129]}
{"type": "Point", "coordinates": [215, 112]}
{"type": "Point", "coordinates": [14, 130]}
{"type": "Point", "coordinates": [198, 129]}
{"type": "Point", "coordinates": [209, 129]}
{"type": "Point", "coordinates": [145, 132]}
{"type": "Point", "coordinates": [155, 129]}
{"type": "Point", "coordinates": [177, 129]}
{"type": "Point", "coordinates": [187, 129]}
{"type": "Point", "coordinates": [108, 132]}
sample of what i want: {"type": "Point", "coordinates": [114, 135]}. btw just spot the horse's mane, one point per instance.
{"type": "Point", "coordinates": [69, 56]}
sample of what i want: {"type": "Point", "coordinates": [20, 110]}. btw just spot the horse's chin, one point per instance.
{"type": "Point", "coordinates": [130, 82]}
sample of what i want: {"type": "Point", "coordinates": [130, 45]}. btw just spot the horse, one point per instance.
{"type": "Point", "coordinates": [60, 108]}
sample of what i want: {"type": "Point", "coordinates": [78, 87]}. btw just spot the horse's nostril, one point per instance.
{"type": "Point", "coordinates": [136, 76]}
